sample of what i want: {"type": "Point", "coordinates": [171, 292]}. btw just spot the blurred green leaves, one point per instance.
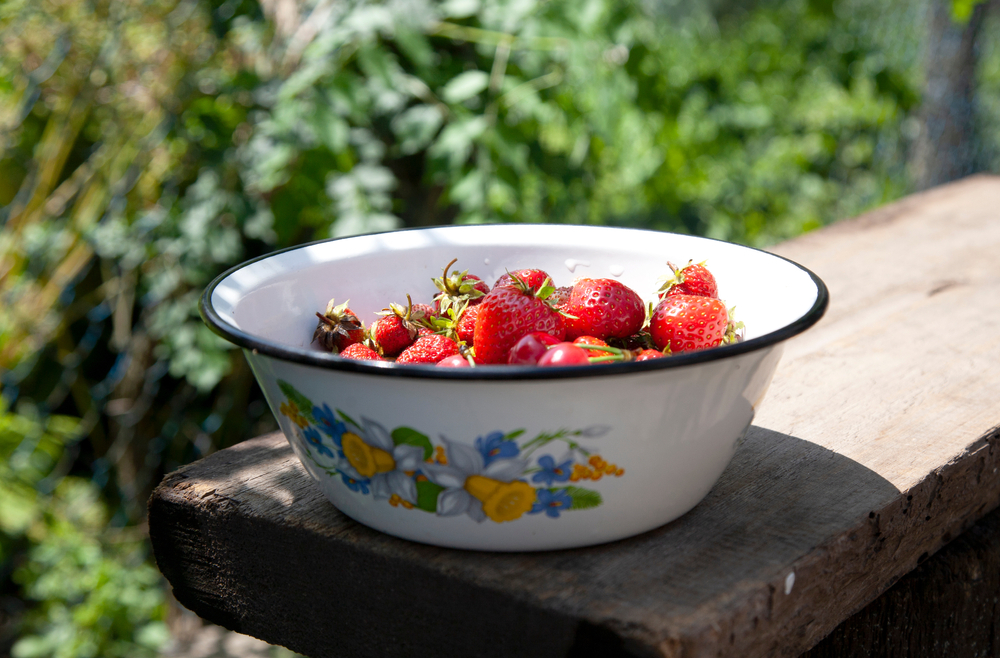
{"type": "Point", "coordinates": [95, 592]}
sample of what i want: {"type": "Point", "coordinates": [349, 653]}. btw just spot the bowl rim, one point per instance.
{"type": "Point", "coordinates": [329, 361]}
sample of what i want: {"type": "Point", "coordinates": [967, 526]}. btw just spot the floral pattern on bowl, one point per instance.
{"type": "Point", "coordinates": [501, 477]}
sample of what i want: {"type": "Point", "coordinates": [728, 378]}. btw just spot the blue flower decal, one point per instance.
{"type": "Point", "coordinates": [493, 447]}
{"type": "Point", "coordinates": [355, 485]}
{"type": "Point", "coordinates": [551, 502]}
{"type": "Point", "coordinates": [552, 472]}
{"type": "Point", "coordinates": [328, 422]}
{"type": "Point", "coordinates": [316, 441]}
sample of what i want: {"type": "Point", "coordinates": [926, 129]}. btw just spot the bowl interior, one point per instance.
{"type": "Point", "coordinates": [274, 299]}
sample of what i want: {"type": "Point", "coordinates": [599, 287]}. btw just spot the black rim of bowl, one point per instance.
{"type": "Point", "coordinates": [320, 359]}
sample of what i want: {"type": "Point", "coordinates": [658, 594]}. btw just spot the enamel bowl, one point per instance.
{"type": "Point", "coordinates": [507, 458]}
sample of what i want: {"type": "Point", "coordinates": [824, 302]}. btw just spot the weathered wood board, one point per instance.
{"type": "Point", "coordinates": [948, 607]}
{"type": "Point", "coordinates": [876, 445]}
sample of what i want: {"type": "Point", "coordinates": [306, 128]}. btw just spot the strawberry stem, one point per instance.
{"type": "Point", "coordinates": [603, 348]}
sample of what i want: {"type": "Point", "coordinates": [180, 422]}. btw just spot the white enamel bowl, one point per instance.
{"type": "Point", "coordinates": [508, 458]}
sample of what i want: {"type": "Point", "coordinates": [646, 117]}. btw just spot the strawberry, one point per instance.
{"type": "Point", "coordinates": [692, 279]}
{"type": "Point", "coordinates": [647, 354]}
{"type": "Point", "coordinates": [360, 352]}
{"type": "Point", "coordinates": [427, 310]}
{"type": "Point", "coordinates": [589, 340]}
{"type": "Point", "coordinates": [428, 349]}
{"type": "Point", "coordinates": [397, 328]}
{"type": "Point", "coordinates": [466, 325]}
{"type": "Point", "coordinates": [600, 352]}
{"type": "Point", "coordinates": [458, 289]}
{"type": "Point", "coordinates": [338, 328]}
{"type": "Point", "coordinates": [393, 334]}
{"type": "Point", "coordinates": [510, 312]}
{"type": "Point", "coordinates": [560, 296]}
{"type": "Point", "coordinates": [689, 322]}
{"type": "Point", "coordinates": [603, 308]}
{"type": "Point", "coordinates": [534, 279]}
{"type": "Point", "coordinates": [592, 342]}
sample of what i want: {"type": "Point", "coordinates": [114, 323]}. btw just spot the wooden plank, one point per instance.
{"type": "Point", "coordinates": [948, 607]}
{"type": "Point", "coordinates": [876, 445]}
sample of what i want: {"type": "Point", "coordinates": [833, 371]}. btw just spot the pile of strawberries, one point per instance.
{"type": "Point", "coordinates": [525, 320]}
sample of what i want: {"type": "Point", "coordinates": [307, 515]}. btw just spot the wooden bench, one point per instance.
{"type": "Point", "coordinates": [876, 446]}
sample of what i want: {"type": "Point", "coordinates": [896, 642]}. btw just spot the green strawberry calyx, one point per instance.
{"type": "Point", "coordinates": [446, 323]}
{"type": "Point", "coordinates": [734, 329]}
{"type": "Point", "coordinates": [456, 288]}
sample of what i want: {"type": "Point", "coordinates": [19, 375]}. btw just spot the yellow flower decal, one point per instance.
{"type": "Point", "coordinates": [502, 501]}
{"type": "Point", "coordinates": [366, 459]}
{"type": "Point", "coordinates": [291, 411]}
{"type": "Point", "coordinates": [597, 469]}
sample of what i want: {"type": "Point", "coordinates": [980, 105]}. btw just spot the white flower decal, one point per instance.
{"type": "Point", "coordinates": [464, 462]}
{"type": "Point", "coordinates": [376, 457]}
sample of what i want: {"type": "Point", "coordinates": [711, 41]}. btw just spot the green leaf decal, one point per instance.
{"type": "Point", "coordinates": [583, 498]}
{"type": "Point", "coordinates": [411, 437]}
{"type": "Point", "coordinates": [347, 419]}
{"type": "Point", "coordinates": [304, 404]}
{"type": "Point", "coordinates": [427, 495]}
{"type": "Point", "coordinates": [513, 435]}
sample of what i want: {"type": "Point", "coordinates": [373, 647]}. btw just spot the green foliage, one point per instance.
{"type": "Point", "coordinates": [96, 593]}
{"type": "Point", "coordinates": [961, 10]}
{"type": "Point", "coordinates": [753, 128]}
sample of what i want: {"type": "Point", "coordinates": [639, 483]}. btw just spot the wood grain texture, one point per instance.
{"type": "Point", "coordinates": [948, 607]}
{"type": "Point", "coordinates": [876, 445]}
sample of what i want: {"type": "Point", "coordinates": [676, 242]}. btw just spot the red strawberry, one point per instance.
{"type": "Point", "coordinates": [692, 279]}
{"type": "Point", "coordinates": [507, 314]}
{"type": "Point", "coordinates": [360, 352]}
{"type": "Point", "coordinates": [393, 334]}
{"type": "Point", "coordinates": [594, 343]}
{"type": "Point", "coordinates": [428, 349]}
{"type": "Point", "coordinates": [603, 308]}
{"type": "Point", "coordinates": [466, 325]}
{"type": "Point", "coordinates": [458, 289]}
{"type": "Point", "coordinates": [688, 322]}
{"type": "Point", "coordinates": [533, 279]}
{"type": "Point", "coordinates": [560, 296]}
{"type": "Point", "coordinates": [589, 340]}
{"type": "Point", "coordinates": [648, 354]}
{"type": "Point", "coordinates": [427, 310]}
{"type": "Point", "coordinates": [397, 328]}
{"type": "Point", "coordinates": [338, 328]}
